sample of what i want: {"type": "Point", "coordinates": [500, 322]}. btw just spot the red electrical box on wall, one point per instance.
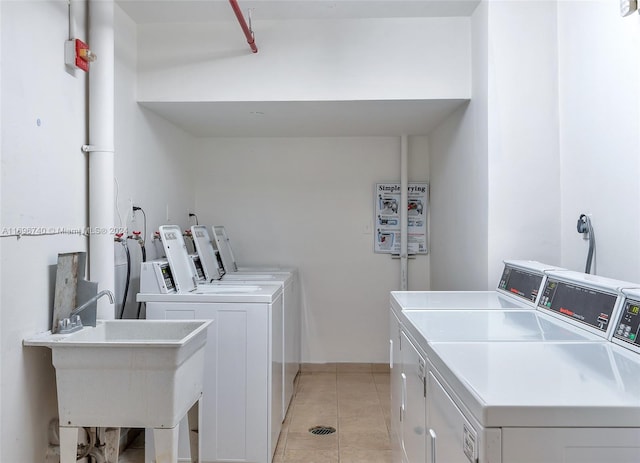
{"type": "Point", "coordinates": [78, 55]}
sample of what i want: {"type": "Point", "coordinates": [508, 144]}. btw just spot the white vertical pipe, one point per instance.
{"type": "Point", "coordinates": [404, 207]}
{"type": "Point", "coordinates": [101, 158]}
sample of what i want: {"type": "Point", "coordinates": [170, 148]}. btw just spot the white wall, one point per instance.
{"type": "Point", "coordinates": [308, 202]}
{"type": "Point", "coordinates": [495, 164]}
{"type": "Point", "coordinates": [153, 163]}
{"type": "Point", "coordinates": [43, 184]}
{"type": "Point", "coordinates": [357, 59]}
{"type": "Point", "coordinates": [1, 149]}
{"type": "Point", "coordinates": [278, 185]}
{"type": "Point", "coordinates": [524, 161]}
{"type": "Point", "coordinates": [459, 189]}
{"type": "Point", "coordinates": [599, 55]}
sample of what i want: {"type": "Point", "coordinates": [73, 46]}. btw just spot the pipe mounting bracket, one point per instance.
{"type": "Point", "coordinates": [92, 148]}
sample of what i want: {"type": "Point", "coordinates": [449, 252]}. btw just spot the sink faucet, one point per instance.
{"type": "Point", "coordinates": [80, 308]}
{"type": "Point", "coordinates": [74, 322]}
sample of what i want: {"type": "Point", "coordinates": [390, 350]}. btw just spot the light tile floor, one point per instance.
{"type": "Point", "coordinates": [355, 403]}
{"type": "Point", "coordinates": [353, 400]}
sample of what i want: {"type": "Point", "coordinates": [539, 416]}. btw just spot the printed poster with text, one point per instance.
{"type": "Point", "coordinates": [387, 218]}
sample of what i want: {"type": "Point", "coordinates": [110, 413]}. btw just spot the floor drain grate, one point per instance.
{"type": "Point", "coordinates": [322, 430]}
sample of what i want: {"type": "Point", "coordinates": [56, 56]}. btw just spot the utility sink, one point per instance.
{"type": "Point", "coordinates": [127, 373]}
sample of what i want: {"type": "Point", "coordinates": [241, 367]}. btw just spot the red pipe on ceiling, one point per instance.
{"type": "Point", "coordinates": [245, 28]}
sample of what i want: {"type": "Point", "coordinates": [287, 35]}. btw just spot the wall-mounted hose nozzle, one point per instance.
{"type": "Point", "coordinates": [584, 226]}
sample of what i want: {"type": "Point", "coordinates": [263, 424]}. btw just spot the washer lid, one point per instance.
{"type": "Point", "coordinates": [492, 325]}
{"type": "Point", "coordinates": [426, 300]}
{"type": "Point", "coordinates": [261, 293]}
{"type": "Point", "coordinates": [260, 277]}
{"type": "Point", "coordinates": [542, 384]}
{"type": "Point", "coordinates": [267, 269]}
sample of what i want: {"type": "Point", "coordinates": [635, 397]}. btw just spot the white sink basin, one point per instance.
{"type": "Point", "coordinates": [127, 373]}
{"type": "Point", "coordinates": [132, 332]}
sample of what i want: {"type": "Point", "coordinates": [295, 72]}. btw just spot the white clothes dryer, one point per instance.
{"type": "Point", "coordinates": [589, 299]}
{"type": "Point", "coordinates": [532, 402]}
{"type": "Point", "coordinates": [518, 288]}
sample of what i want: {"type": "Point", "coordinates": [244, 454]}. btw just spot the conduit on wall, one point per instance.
{"type": "Point", "coordinates": [248, 33]}
{"type": "Point", "coordinates": [101, 151]}
{"type": "Point", "coordinates": [404, 208]}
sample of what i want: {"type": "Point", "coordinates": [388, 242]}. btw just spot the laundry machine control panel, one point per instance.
{"type": "Point", "coordinates": [197, 263]}
{"type": "Point", "coordinates": [520, 283]}
{"type": "Point", "coordinates": [156, 277]}
{"type": "Point", "coordinates": [210, 263]}
{"type": "Point", "coordinates": [588, 306]}
{"type": "Point", "coordinates": [628, 326]}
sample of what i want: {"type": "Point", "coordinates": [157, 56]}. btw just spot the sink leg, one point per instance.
{"type": "Point", "coordinates": [68, 444]}
{"type": "Point", "coordinates": [166, 444]}
{"type": "Point", "coordinates": [194, 430]}
{"type": "Point", "coordinates": [112, 444]}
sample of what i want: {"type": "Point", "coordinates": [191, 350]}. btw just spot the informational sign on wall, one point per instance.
{"type": "Point", "coordinates": [387, 218]}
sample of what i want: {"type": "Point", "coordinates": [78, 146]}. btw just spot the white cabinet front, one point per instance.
{"type": "Point", "coordinates": [414, 403]}
{"type": "Point", "coordinates": [242, 397]}
{"type": "Point", "coordinates": [450, 437]}
{"type": "Point", "coordinates": [395, 363]}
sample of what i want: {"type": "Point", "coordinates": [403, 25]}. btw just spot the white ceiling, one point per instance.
{"type": "Point", "coordinates": [159, 11]}
{"type": "Point", "coordinates": [300, 118]}
{"type": "Point", "coordinates": [306, 118]}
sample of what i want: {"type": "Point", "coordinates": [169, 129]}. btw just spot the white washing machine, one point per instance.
{"type": "Point", "coordinates": [226, 265]}
{"type": "Point", "coordinates": [222, 244]}
{"type": "Point", "coordinates": [212, 273]}
{"type": "Point", "coordinates": [242, 396]}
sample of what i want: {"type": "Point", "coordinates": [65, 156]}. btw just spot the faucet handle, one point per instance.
{"type": "Point", "coordinates": [69, 325]}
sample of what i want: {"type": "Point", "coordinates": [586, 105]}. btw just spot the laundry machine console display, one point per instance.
{"type": "Point", "coordinates": [212, 267]}
{"type": "Point", "coordinates": [156, 277]}
{"type": "Point", "coordinates": [627, 328]}
{"type": "Point", "coordinates": [587, 306]}
{"type": "Point", "coordinates": [520, 282]}
{"type": "Point", "coordinates": [223, 246]}
{"type": "Point", "coordinates": [182, 265]}
{"type": "Point", "coordinates": [197, 263]}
